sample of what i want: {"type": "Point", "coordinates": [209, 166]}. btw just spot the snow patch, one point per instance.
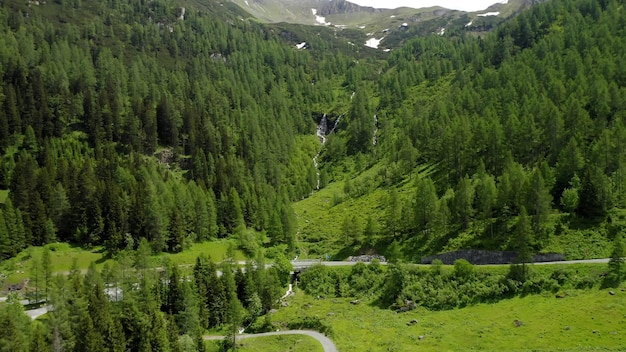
{"type": "Point", "coordinates": [469, 24]}
{"type": "Point", "coordinates": [246, 1]}
{"type": "Point", "coordinates": [387, 50]}
{"type": "Point", "coordinates": [321, 20]}
{"type": "Point", "coordinates": [488, 14]}
{"type": "Point", "coordinates": [392, 16]}
{"type": "Point", "coordinates": [373, 42]}
{"type": "Point", "coordinates": [442, 31]}
{"type": "Point", "coordinates": [301, 45]}
{"type": "Point", "coordinates": [362, 27]}
{"type": "Point", "coordinates": [182, 14]}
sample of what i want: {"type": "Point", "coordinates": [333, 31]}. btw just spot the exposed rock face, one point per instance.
{"type": "Point", "coordinates": [342, 6]}
{"type": "Point", "coordinates": [476, 256]}
{"type": "Point", "coordinates": [367, 258]}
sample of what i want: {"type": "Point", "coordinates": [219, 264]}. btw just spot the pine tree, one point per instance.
{"type": "Point", "coordinates": [463, 202]}
{"type": "Point", "coordinates": [523, 241]}
{"type": "Point", "coordinates": [425, 205]}
{"type": "Point", "coordinates": [15, 327]}
{"type": "Point", "coordinates": [617, 263]}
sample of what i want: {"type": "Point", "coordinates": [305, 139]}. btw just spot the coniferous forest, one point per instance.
{"type": "Point", "coordinates": [143, 127]}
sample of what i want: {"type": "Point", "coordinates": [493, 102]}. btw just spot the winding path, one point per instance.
{"type": "Point", "coordinates": [327, 344]}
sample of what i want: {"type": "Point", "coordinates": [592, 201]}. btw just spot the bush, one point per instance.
{"type": "Point", "coordinates": [538, 285]}
{"type": "Point", "coordinates": [561, 276]}
{"type": "Point", "coordinates": [317, 281]}
{"type": "Point", "coordinates": [463, 269]}
{"type": "Point", "coordinates": [311, 323]}
{"type": "Point", "coordinates": [585, 282]}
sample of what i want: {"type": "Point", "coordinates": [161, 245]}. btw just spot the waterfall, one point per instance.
{"type": "Point", "coordinates": [321, 133]}
{"type": "Point", "coordinates": [322, 130]}
{"type": "Point", "coordinates": [335, 125]}
{"type": "Point", "coordinates": [375, 130]}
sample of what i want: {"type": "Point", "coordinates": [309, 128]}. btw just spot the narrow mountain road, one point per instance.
{"type": "Point", "coordinates": [582, 261]}
{"type": "Point", "coordinates": [327, 344]}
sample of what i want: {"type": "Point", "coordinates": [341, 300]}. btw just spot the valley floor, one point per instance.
{"type": "Point", "coordinates": [583, 320]}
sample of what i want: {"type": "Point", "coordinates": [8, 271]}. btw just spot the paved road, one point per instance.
{"type": "Point", "coordinates": [327, 344]}
{"type": "Point", "coordinates": [300, 264]}
{"type": "Point", "coordinates": [585, 261]}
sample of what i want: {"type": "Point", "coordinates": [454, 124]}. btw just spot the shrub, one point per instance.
{"type": "Point", "coordinates": [463, 269]}
{"type": "Point", "coordinates": [317, 281]}
{"type": "Point", "coordinates": [311, 323]}
{"type": "Point", "coordinates": [561, 276]}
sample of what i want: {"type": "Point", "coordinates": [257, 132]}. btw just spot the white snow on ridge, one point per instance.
{"type": "Point", "coordinates": [373, 42]}
{"type": "Point", "coordinates": [488, 14]}
{"type": "Point", "coordinates": [301, 45]}
{"type": "Point", "coordinates": [469, 24]}
{"type": "Point", "coordinates": [319, 19]}
{"type": "Point", "coordinates": [462, 5]}
{"type": "Point", "coordinates": [442, 31]}
{"type": "Point", "coordinates": [246, 1]}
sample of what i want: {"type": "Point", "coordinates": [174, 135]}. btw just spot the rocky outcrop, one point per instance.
{"type": "Point", "coordinates": [476, 256]}
{"type": "Point", "coordinates": [367, 258]}
{"type": "Point", "coordinates": [342, 6]}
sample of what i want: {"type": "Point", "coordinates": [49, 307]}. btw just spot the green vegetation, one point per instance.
{"type": "Point", "coordinates": [112, 309]}
{"type": "Point", "coordinates": [64, 257]}
{"type": "Point", "coordinates": [284, 343]}
{"type": "Point", "coordinates": [404, 287]}
{"type": "Point", "coordinates": [139, 137]}
{"type": "Point", "coordinates": [583, 320]}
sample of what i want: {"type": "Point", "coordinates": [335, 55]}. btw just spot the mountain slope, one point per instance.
{"type": "Point", "coordinates": [522, 128]}
{"type": "Point", "coordinates": [390, 26]}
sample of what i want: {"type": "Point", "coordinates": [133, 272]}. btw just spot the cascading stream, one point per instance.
{"type": "Point", "coordinates": [322, 129]}
{"type": "Point", "coordinates": [374, 137]}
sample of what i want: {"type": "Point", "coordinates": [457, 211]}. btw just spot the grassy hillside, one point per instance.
{"type": "Point", "coordinates": [583, 321]}
{"type": "Point", "coordinates": [62, 257]}
{"type": "Point", "coordinates": [286, 343]}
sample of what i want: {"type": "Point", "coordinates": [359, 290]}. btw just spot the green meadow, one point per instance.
{"type": "Point", "coordinates": [282, 343]}
{"type": "Point", "coordinates": [63, 256]}
{"type": "Point", "coordinates": [584, 320]}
